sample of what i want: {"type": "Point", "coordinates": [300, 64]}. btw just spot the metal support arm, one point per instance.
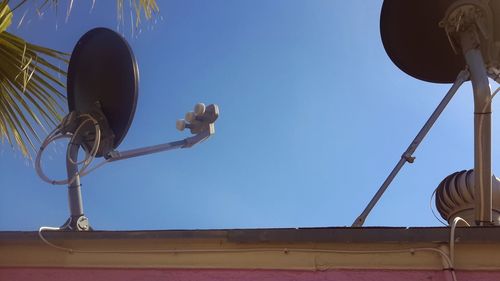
{"type": "Point", "coordinates": [408, 154]}
{"type": "Point", "coordinates": [185, 143]}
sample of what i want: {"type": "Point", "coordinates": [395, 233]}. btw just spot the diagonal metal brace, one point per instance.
{"type": "Point", "coordinates": [408, 154]}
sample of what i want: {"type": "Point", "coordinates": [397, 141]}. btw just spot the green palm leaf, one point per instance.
{"type": "Point", "coordinates": [148, 7]}
{"type": "Point", "coordinates": [5, 16]}
{"type": "Point", "coordinates": [31, 87]}
{"type": "Point", "coordinates": [30, 91]}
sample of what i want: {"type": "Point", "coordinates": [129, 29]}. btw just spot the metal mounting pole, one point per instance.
{"type": "Point", "coordinates": [482, 128]}
{"type": "Point", "coordinates": [407, 155]}
{"type": "Point", "coordinates": [77, 220]}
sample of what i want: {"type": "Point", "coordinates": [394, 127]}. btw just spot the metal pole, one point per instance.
{"type": "Point", "coordinates": [74, 189]}
{"type": "Point", "coordinates": [482, 133]}
{"type": "Point", "coordinates": [407, 155]}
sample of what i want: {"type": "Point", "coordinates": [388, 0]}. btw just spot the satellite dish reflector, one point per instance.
{"type": "Point", "coordinates": [433, 40]}
{"type": "Point", "coordinates": [414, 41]}
{"type": "Point", "coordinates": [102, 91]}
{"type": "Point", "coordinates": [103, 75]}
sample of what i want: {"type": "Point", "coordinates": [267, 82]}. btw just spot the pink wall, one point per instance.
{"type": "Point", "coordinates": [95, 274]}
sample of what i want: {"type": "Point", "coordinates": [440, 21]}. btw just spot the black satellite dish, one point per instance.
{"type": "Point", "coordinates": [414, 41]}
{"type": "Point", "coordinates": [414, 34]}
{"type": "Point", "coordinates": [103, 74]}
{"type": "Point", "coordinates": [102, 86]}
{"type": "Point", "coordinates": [447, 41]}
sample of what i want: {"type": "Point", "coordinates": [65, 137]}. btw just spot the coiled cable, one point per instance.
{"type": "Point", "coordinates": [57, 134]}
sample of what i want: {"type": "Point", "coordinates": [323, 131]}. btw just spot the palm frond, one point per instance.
{"type": "Point", "coordinates": [30, 78]}
{"type": "Point", "coordinates": [5, 16]}
{"type": "Point", "coordinates": [148, 7]}
{"type": "Point", "coordinates": [30, 91]}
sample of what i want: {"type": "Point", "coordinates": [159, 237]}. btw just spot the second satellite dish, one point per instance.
{"type": "Point", "coordinates": [419, 45]}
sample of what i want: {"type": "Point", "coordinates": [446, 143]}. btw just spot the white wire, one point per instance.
{"type": "Point", "coordinates": [432, 209]}
{"type": "Point", "coordinates": [97, 166]}
{"type": "Point", "coordinates": [452, 237]}
{"type": "Point", "coordinates": [452, 245]}
{"type": "Point", "coordinates": [284, 250]}
{"type": "Point", "coordinates": [45, 240]}
{"type": "Point", "coordinates": [74, 134]}
{"type": "Point", "coordinates": [53, 136]}
{"type": "Point", "coordinates": [97, 139]}
{"type": "Point", "coordinates": [95, 148]}
{"type": "Point", "coordinates": [89, 157]}
{"type": "Point", "coordinates": [38, 167]}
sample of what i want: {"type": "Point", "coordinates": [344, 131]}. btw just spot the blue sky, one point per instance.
{"type": "Point", "coordinates": [314, 116]}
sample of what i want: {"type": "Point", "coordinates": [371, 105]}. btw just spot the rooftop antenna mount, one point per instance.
{"type": "Point", "coordinates": [102, 85]}
{"type": "Point", "coordinates": [434, 40]}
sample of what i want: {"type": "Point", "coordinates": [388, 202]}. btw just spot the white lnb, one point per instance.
{"type": "Point", "coordinates": [199, 109]}
{"type": "Point", "coordinates": [180, 124]}
{"type": "Point", "coordinates": [190, 117]}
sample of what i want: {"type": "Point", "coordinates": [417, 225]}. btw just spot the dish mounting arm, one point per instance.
{"type": "Point", "coordinates": [185, 143]}
{"type": "Point", "coordinates": [200, 122]}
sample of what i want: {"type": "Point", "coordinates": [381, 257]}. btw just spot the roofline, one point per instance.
{"type": "Point", "coordinates": [284, 235]}
{"type": "Point", "coordinates": [477, 248]}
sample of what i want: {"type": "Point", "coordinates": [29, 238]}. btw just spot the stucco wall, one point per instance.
{"type": "Point", "coordinates": [95, 274]}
